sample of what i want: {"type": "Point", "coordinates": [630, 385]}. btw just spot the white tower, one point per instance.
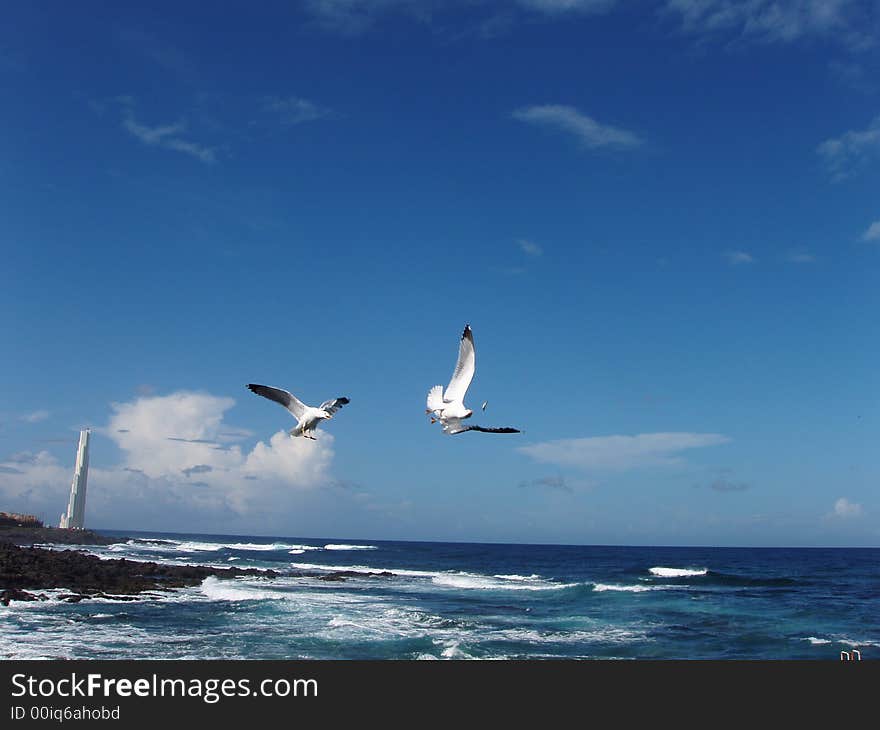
{"type": "Point", "coordinates": [76, 507]}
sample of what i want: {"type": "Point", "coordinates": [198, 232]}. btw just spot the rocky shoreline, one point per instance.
{"type": "Point", "coordinates": [26, 570]}
{"type": "Point", "coordinates": [26, 535]}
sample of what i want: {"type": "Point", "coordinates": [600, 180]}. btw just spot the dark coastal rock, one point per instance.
{"type": "Point", "coordinates": [88, 576]}
{"type": "Point", "coordinates": [26, 535]}
{"type": "Point", "coordinates": [16, 594]}
{"type": "Point", "coordinates": [340, 575]}
{"type": "Point", "coordinates": [23, 568]}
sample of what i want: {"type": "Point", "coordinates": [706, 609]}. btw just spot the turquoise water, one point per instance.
{"type": "Point", "coordinates": [461, 601]}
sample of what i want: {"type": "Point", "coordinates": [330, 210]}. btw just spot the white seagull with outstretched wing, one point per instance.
{"type": "Point", "coordinates": [448, 407]}
{"type": "Point", "coordinates": [307, 418]}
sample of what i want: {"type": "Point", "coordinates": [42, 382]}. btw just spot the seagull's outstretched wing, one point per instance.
{"type": "Point", "coordinates": [464, 369]}
{"type": "Point", "coordinates": [333, 405]}
{"type": "Point", "coordinates": [288, 400]}
{"type": "Point", "coordinates": [453, 426]}
{"type": "Point", "coordinates": [435, 399]}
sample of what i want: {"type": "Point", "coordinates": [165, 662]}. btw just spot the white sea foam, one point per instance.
{"type": "Point", "coordinates": [471, 581]}
{"type": "Point", "coordinates": [814, 640]}
{"type": "Point", "coordinates": [343, 546]}
{"type": "Point", "coordinates": [678, 572]}
{"type": "Point", "coordinates": [856, 643]}
{"type": "Point", "coordinates": [366, 569]}
{"type": "Point", "coordinates": [191, 546]}
{"type": "Point", "coordinates": [600, 587]}
{"type": "Point", "coordinates": [599, 634]}
{"type": "Point", "coordinates": [453, 579]}
{"type": "Point", "coordinates": [236, 590]}
{"type": "Point", "coordinates": [453, 650]}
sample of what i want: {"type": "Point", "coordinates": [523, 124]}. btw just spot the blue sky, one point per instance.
{"type": "Point", "coordinates": [660, 218]}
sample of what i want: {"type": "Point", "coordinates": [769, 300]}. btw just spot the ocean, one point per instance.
{"type": "Point", "coordinates": [469, 601]}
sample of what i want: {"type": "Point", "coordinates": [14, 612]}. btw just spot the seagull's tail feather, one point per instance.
{"type": "Point", "coordinates": [482, 429]}
{"type": "Point", "coordinates": [435, 399]}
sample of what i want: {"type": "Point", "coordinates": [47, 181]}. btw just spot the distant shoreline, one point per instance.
{"type": "Point", "coordinates": [26, 535]}
{"type": "Point", "coordinates": [25, 569]}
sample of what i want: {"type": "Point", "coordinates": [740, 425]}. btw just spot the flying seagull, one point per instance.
{"type": "Point", "coordinates": [448, 407]}
{"type": "Point", "coordinates": [307, 418]}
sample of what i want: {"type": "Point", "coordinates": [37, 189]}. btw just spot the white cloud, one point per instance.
{"type": "Point", "coordinates": [736, 258]}
{"type": "Point", "coordinates": [166, 136]}
{"type": "Point", "coordinates": [785, 21]}
{"type": "Point", "coordinates": [621, 453]}
{"type": "Point", "coordinates": [843, 155]}
{"type": "Point", "coordinates": [564, 6]}
{"type": "Point", "coordinates": [161, 435]}
{"type": "Point", "coordinates": [294, 110]}
{"type": "Point", "coordinates": [529, 247]}
{"type": "Point", "coordinates": [164, 442]}
{"type": "Point", "coordinates": [35, 416]}
{"type": "Point", "coordinates": [585, 129]}
{"type": "Point", "coordinates": [845, 509]}
{"type": "Point", "coordinates": [356, 16]}
{"type": "Point", "coordinates": [873, 232]}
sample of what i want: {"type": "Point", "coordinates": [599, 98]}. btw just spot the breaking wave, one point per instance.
{"type": "Point", "coordinates": [677, 572]}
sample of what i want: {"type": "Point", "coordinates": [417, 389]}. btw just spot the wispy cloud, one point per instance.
{"type": "Point", "coordinates": [294, 109]}
{"type": "Point", "coordinates": [357, 16]}
{"type": "Point", "coordinates": [844, 155]}
{"type": "Point", "coordinates": [166, 136]}
{"type": "Point", "coordinates": [737, 258]}
{"type": "Point", "coordinates": [621, 453]}
{"type": "Point", "coordinates": [529, 247]}
{"type": "Point", "coordinates": [556, 7]}
{"type": "Point", "coordinates": [726, 485]}
{"type": "Point", "coordinates": [800, 256]}
{"type": "Point", "coordinates": [847, 21]}
{"type": "Point", "coordinates": [552, 482]}
{"type": "Point", "coordinates": [350, 17]}
{"type": "Point", "coordinates": [872, 233]}
{"type": "Point", "coordinates": [34, 416]}
{"type": "Point", "coordinates": [844, 509]}
{"type": "Point", "coordinates": [854, 76]}
{"type": "Point", "coordinates": [587, 131]}
{"type": "Point", "coordinates": [156, 51]}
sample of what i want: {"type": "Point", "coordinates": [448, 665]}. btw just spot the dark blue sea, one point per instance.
{"type": "Point", "coordinates": [469, 601]}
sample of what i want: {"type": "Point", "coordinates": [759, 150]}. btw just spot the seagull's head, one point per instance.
{"type": "Point", "coordinates": [324, 414]}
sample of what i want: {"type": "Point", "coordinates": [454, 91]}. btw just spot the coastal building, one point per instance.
{"type": "Point", "coordinates": [76, 506]}
{"type": "Point", "coordinates": [14, 519]}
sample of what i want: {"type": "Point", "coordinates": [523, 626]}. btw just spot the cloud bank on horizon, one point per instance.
{"type": "Point", "coordinates": [164, 442]}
